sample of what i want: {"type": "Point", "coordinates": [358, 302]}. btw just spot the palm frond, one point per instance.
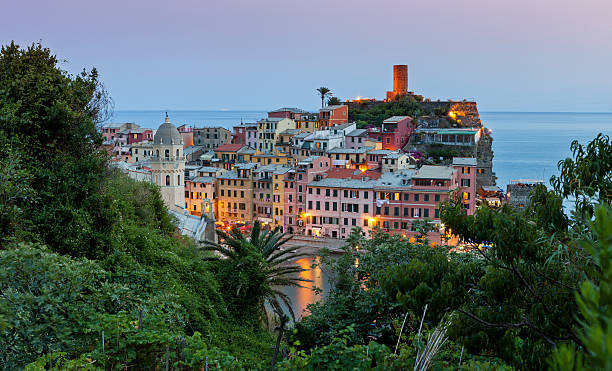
{"type": "Point", "coordinates": [273, 259]}
{"type": "Point", "coordinates": [286, 300]}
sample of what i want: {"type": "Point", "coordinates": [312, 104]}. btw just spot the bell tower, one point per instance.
{"type": "Point", "coordinates": [168, 165]}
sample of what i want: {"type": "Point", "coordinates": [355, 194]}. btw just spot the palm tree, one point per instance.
{"type": "Point", "coordinates": [276, 262]}
{"type": "Point", "coordinates": [324, 93]}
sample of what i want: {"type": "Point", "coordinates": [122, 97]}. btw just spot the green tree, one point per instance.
{"type": "Point", "coordinates": [595, 303]}
{"type": "Point", "coordinates": [323, 93]}
{"type": "Point", "coordinates": [256, 268]}
{"type": "Point", "coordinates": [333, 101]}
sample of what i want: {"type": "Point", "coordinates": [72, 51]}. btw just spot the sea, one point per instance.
{"type": "Point", "coordinates": [526, 145]}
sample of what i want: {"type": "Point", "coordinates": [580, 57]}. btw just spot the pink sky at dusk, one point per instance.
{"type": "Point", "coordinates": [538, 55]}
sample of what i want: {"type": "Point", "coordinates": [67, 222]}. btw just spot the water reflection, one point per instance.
{"type": "Point", "coordinates": [302, 296]}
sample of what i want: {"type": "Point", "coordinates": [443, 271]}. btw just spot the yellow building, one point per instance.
{"type": "Point", "coordinates": [235, 194]}
{"type": "Point", "coordinates": [276, 158]}
{"type": "Point", "coordinates": [268, 131]}
{"type": "Point", "coordinates": [278, 197]}
{"type": "Point", "coordinates": [308, 122]}
{"type": "Point", "coordinates": [140, 151]}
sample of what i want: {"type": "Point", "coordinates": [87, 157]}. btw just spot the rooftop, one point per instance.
{"type": "Point", "coordinates": [394, 155]}
{"type": "Point", "coordinates": [209, 169]}
{"type": "Point", "coordinates": [395, 119]}
{"type": "Point", "coordinates": [396, 179]}
{"type": "Point", "coordinates": [434, 172]}
{"type": "Point", "coordinates": [330, 108]}
{"type": "Point", "coordinates": [344, 183]}
{"type": "Point", "coordinates": [289, 109]}
{"type": "Point", "coordinates": [350, 150]}
{"type": "Point", "coordinates": [229, 147]}
{"type": "Point", "coordinates": [357, 133]}
{"type": "Point", "coordinates": [464, 161]}
{"type": "Point", "coordinates": [272, 119]}
{"type": "Point", "coordinates": [291, 132]}
{"type": "Point", "coordinates": [203, 179]}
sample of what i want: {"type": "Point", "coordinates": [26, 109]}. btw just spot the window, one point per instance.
{"type": "Point", "coordinates": [366, 208]}
{"type": "Point", "coordinates": [426, 213]}
{"type": "Point", "coordinates": [335, 193]}
{"type": "Point", "coordinates": [396, 211]}
{"type": "Point", "coordinates": [465, 170]}
{"type": "Point", "coordinates": [406, 211]}
{"type": "Point", "coordinates": [346, 193]}
{"type": "Point", "coordinates": [365, 222]}
{"type": "Point", "coordinates": [167, 180]}
{"type": "Point", "coordinates": [335, 206]}
{"type": "Point", "coordinates": [318, 191]}
{"type": "Point", "coordinates": [395, 225]}
{"type": "Point", "coordinates": [346, 221]}
{"type": "Point", "coordinates": [437, 198]}
{"type": "Point", "coordinates": [426, 197]}
{"type": "Point", "coordinates": [309, 205]}
{"type": "Point", "coordinates": [365, 195]}
{"type": "Point", "coordinates": [465, 182]}
{"type": "Point", "coordinates": [327, 192]}
{"type": "Point", "coordinates": [416, 196]}
{"type": "Point", "coordinates": [309, 191]}
{"type": "Point", "coordinates": [326, 205]}
{"type": "Point", "coordinates": [436, 213]}
{"type": "Point", "coordinates": [386, 210]}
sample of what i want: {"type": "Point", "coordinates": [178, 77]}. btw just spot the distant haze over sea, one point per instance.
{"type": "Point", "coordinates": [526, 145]}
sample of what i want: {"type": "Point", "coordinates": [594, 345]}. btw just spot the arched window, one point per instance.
{"type": "Point", "coordinates": [167, 180]}
{"type": "Point", "coordinates": [167, 153]}
{"type": "Point", "coordinates": [178, 177]}
{"type": "Point", "coordinates": [177, 153]}
{"type": "Point", "coordinates": [157, 152]}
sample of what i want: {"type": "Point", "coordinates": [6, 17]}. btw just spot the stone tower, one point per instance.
{"type": "Point", "coordinates": [400, 82]}
{"type": "Point", "coordinates": [168, 165]}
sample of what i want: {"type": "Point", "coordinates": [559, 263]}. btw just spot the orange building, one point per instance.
{"type": "Point", "coordinates": [333, 115]}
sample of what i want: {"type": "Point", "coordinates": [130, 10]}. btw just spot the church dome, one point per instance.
{"type": "Point", "coordinates": [167, 134]}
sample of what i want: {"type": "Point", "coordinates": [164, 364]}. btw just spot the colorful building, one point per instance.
{"type": "Point", "coordinates": [268, 131]}
{"type": "Point", "coordinates": [396, 131]}
{"type": "Point", "coordinates": [333, 115]}
{"type": "Point", "coordinates": [235, 194]}
{"type": "Point", "coordinates": [211, 137]}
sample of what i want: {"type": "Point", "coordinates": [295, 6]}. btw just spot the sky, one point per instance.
{"type": "Point", "coordinates": [519, 55]}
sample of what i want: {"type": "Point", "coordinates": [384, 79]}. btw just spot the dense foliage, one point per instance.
{"type": "Point", "coordinates": [85, 250]}
{"type": "Point", "coordinates": [376, 114]}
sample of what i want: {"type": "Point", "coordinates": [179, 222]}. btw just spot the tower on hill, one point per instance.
{"type": "Point", "coordinates": [400, 82]}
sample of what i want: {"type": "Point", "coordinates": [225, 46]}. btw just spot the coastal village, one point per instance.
{"type": "Point", "coordinates": [320, 174]}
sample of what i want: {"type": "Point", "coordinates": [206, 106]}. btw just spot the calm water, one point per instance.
{"type": "Point", "coordinates": [526, 145]}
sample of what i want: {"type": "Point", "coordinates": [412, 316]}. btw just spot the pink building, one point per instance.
{"type": "Point", "coordinates": [466, 170]}
{"type": "Point", "coordinates": [137, 135]}
{"type": "Point", "coordinates": [394, 201]}
{"type": "Point", "coordinates": [341, 201]}
{"type": "Point", "coordinates": [239, 135]}
{"type": "Point", "coordinates": [296, 185]}
{"type": "Point", "coordinates": [356, 138]}
{"type": "Point", "coordinates": [251, 135]}
{"type": "Point", "coordinates": [396, 131]}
